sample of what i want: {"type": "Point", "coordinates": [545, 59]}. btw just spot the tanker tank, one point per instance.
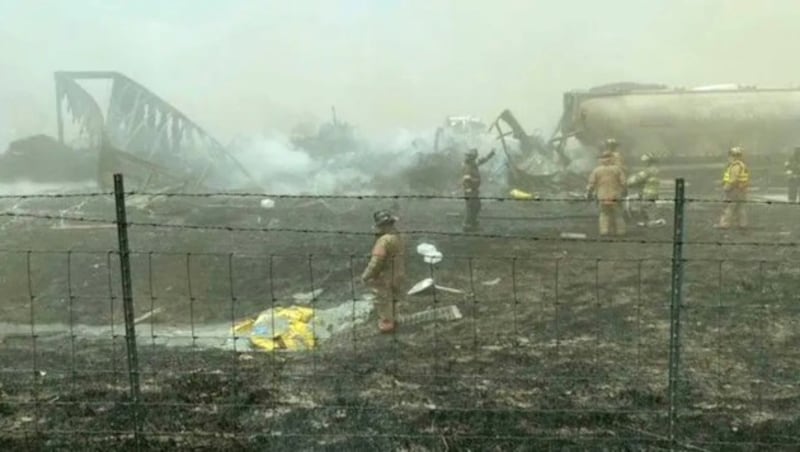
{"type": "Point", "coordinates": [690, 130]}
{"type": "Point", "coordinates": [677, 123]}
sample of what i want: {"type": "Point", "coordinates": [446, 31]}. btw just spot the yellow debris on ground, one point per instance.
{"type": "Point", "coordinates": [286, 328]}
{"type": "Point", "coordinates": [519, 194]}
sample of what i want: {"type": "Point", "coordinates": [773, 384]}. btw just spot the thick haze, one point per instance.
{"type": "Point", "coordinates": [243, 66]}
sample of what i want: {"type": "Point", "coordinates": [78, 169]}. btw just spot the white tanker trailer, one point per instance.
{"type": "Point", "coordinates": [685, 124]}
{"type": "Point", "coordinates": [690, 130]}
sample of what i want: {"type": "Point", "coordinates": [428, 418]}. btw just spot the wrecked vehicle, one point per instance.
{"type": "Point", "coordinates": [533, 164]}
{"type": "Point", "coordinates": [436, 167]}
{"type": "Point", "coordinates": [42, 159]}
{"type": "Point", "coordinates": [684, 123]}
{"type": "Point", "coordinates": [689, 130]}
{"type": "Point", "coordinates": [330, 139]}
{"type": "Point", "coordinates": [460, 133]}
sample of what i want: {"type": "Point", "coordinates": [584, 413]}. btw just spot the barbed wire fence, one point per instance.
{"type": "Point", "coordinates": [576, 352]}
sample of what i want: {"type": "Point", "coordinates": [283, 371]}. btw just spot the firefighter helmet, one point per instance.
{"type": "Point", "coordinates": [383, 218]}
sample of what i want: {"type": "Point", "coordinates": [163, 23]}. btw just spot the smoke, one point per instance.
{"type": "Point", "coordinates": [280, 166]}
{"type": "Point", "coordinates": [243, 67]}
{"type": "Point", "coordinates": [272, 161]}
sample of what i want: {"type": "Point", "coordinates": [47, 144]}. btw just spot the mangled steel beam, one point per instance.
{"type": "Point", "coordinates": [535, 163]}
{"type": "Point", "coordinates": [146, 133]}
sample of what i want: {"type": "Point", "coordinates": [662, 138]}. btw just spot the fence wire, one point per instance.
{"type": "Point", "coordinates": [520, 344]}
{"type": "Point", "coordinates": [559, 352]}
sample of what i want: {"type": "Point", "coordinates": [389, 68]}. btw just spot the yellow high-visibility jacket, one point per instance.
{"type": "Point", "coordinates": [736, 176]}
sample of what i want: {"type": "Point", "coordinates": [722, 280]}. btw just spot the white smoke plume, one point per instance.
{"type": "Point", "coordinates": [279, 166]}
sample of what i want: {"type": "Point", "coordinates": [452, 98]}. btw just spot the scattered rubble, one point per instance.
{"type": "Point", "coordinates": [427, 285]}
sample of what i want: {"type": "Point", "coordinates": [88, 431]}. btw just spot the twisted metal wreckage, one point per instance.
{"type": "Point", "coordinates": [152, 142]}
{"type": "Point", "coordinates": [158, 148]}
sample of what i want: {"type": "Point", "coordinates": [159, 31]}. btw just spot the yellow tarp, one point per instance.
{"type": "Point", "coordinates": [279, 329]}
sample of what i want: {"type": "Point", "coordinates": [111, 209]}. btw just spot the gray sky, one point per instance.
{"type": "Point", "coordinates": [244, 66]}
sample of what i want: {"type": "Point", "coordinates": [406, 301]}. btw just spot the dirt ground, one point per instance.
{"type": "Point", "coordinates": [568, 350]}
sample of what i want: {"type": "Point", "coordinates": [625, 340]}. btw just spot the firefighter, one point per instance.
{"type": "Point", "coordinates": [385, 273]}
{"type": "Point", "coordinates": [607, 185]}
{"type": "Point", "coordinates": [735, 183]}
{"type": "Point", "coordinates": [648, 185]}
{"type": "Point", "coordinates": [471, 183]}
{"type": "Point", "coordinates": [793, 173]}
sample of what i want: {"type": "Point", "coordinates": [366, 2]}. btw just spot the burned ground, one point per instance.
{"type": "Point", "coordinates": [569, 349]}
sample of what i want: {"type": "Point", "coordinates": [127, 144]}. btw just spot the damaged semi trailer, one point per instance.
{"type": "Point", "coordinates": [689, 130]}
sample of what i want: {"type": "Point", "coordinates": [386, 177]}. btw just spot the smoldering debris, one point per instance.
{"type": "Point", "coordinates": [375, 165]}
{"type": "Point", "coordinates": [159, 148]}
{"type": "Point", "coordinates": [41, 159]}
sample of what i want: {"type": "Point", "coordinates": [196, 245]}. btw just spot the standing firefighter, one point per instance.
{"type": "Point", "coordinates": [385, 273]}
{"type": "Point", "coordinates": [793, 173]}
{"type": "Point", "coordinates": [471, 182]}
{"type": "Point", "coordinates": [647, 183]}
{"type": "Point", "coordinates": [735, 182]}
{"type": "Point", "coordinates": [607, 185]}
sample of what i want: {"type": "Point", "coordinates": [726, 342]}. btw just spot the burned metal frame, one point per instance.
{"type": "Point", "coordinates": [145, 132]}
{"type": "Point", "coordinates": [529, 146]}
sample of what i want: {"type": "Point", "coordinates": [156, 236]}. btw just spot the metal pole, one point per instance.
{"type": "Point", "coordinates": [127, 301]}
{"type": "Point", "coordinates": [676, 300]}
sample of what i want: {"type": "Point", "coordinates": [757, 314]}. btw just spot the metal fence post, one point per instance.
{"type": "Point", "coordinates": [127, 303]}
{"type": "Point", "coordinates": [676, 299]}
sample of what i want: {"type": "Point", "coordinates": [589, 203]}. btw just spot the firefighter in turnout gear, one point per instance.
{"type": "Point", "coordinates": [793, 174]}
{"type": "Point", "coordinates": [385, 273]}
{"type": "Point", "coordinates": [471, 183]}
{"type": "Point", "coordinates": [648, 185]}
{"type": "Point", "coordinates": [607, 185]}
{"type": "Point", "coordinates": [735, 183]}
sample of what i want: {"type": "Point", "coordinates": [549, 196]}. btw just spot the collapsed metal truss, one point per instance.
{"type": "Point", "coordinates": [146, 131]}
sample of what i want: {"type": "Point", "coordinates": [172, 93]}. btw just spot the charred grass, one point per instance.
{"type": "Point", "coordinates": [568, 350]}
